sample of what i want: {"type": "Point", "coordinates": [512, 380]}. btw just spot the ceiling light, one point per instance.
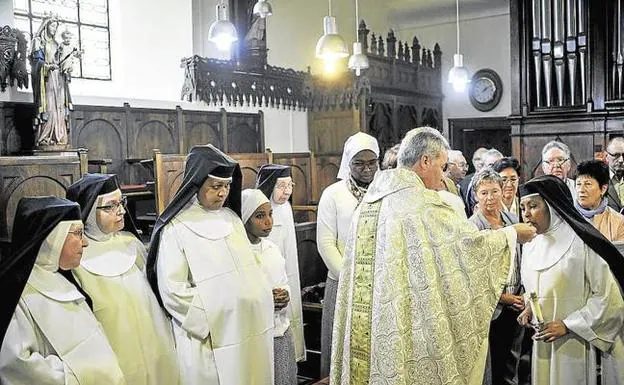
{"type": "Point", "coordinates": [222, 32]}
{"type": "Point", "coordinates": [358, 61]}
{"type": "Point", "coordinates": [458, 75]}
{"type": "Point", "coordinates": [331, 45]}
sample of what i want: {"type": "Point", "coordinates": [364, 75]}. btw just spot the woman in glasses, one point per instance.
{"type": "Point", "coordinates": [509, 170]}
{"type": "Point", "coordinates": [111, 273]}
{"type": "Point", "coordinates": [47, 330]}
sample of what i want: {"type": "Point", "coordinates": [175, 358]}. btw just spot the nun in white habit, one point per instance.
{"type": "Point", "coordinates": [576, 275]}
{"type": "Point", "coordinates": [338, 202]}
{"type": "Point", "coordinates": [257, 215]}
{"type": "Point", "coordinates": [275, 181]}
{"type": "Point", "coordinates": [201, 266]}
{"type": "Point", "coordinates": [48, 333]}
{"type": "Point", "coordinates": [112, 273]}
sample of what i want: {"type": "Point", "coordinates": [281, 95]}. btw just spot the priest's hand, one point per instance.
{"type": "Point", "coordinates": [515, 301]}
{"type": "Point", "coordinates": [281, 298]}
{"type": "Point", "coordinates": [524, 319]}
{"type": "Point", "coordinates": [551, 331]}
{"type": "Point", "coordinates": [526, 232]}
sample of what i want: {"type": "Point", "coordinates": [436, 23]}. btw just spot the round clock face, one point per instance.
{"type": "Point", "coordinates": [484, 90]}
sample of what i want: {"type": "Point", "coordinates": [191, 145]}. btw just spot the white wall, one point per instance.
{"type": "Point", "coordinates": [484, 44]}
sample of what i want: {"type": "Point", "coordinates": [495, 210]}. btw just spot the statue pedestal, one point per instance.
{"type": "Point", "coordinates": [51, 152]}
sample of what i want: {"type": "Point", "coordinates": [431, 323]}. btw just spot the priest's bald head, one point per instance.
{"type": "Point", "coordinates": [425, 151]}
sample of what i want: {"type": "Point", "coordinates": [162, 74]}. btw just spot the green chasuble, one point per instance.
{"type": "Point", "coordinates": [419, 287]}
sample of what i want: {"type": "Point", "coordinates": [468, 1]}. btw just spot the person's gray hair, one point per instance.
{"type": "Point", "coordinates": [555, 144]}
{"type": "Point", "coordinates": [492, 152]}
{"type": "Point", "coordinates": [478, 153]}
{"type": "Point", "coordinates": [617, 139]}
{"type": "Point", "coordinates": [390, 157]}
{"type": "Point", "coordinates": [486, 174]}
{"type": "Point", "coordinates": [419, 142]}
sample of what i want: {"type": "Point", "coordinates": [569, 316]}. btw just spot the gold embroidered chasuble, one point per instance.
{"type": "Point", "coordinates": [418, 289]}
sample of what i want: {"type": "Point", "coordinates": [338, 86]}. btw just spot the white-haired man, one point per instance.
{"type": "Point", "coordinates": [556, 162]}
{"type": "Point", "coordinates": [419, 283]}
{"type": "Point", "coordinates": [615, 160]}
{"type": "Point", "coordinates": [456, 166]}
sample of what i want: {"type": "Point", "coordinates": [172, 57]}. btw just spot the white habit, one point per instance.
{"type": "Point", "coordinates": [576, 286]}
{"type": "Point", "coordinates": [221, 304]}
{"type": "Point", "coordinates": [111, 272]}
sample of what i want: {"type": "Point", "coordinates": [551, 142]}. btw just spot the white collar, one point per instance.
{"type": "Point", "coordinates": [113, 257]}
{"type": "Point", "coordinates": [53, 285]}
{"type": "Point", "coordinates": [546, 249]}
{"type": "Point", "coordinates": [209, 224]}
{"type": "Point", "coordinates": [282, 214]}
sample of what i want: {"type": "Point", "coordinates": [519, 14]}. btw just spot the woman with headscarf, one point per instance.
{"type": "Point", "coordinates": [202, 269]}
{"type": "Point", "coordinates": [338, 202]}
{"type": "Point", "coordinates": [47, 330]}
{"type": "Point", "coordinates": [257, 215]}
{"type": "Point", "coordinates": [574, 275]}
{"type": "Point", "coordinates": [592, 184]}
{"type": "Point", "coordinates": [112, 273]}
{"type": "Point", "coordinates": [275, 181]}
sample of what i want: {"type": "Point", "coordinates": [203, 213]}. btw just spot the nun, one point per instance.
{"type": "Point", "coordinates": [202, 269]}
{"type": "Point", "coordinates": [359, 163]}
{"type": "Point", "coordinates": [275, 181]}
{"type": "Point", "coordinates": [48, 333]}
{"type": "Point", "coordinates": [257, 215]}
{"type": "Point", "coordinates": [112, 274]}
{"type": "Point", "coordinates": [574, 275]}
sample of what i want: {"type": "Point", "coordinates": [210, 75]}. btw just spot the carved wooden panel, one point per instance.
{"type": "Point", "coordinates": [32, 176]}
{"type": "Point", "coordinates": [328, 130]}
{"type": "Point", "coordinates": [327, 167]}
{"type": "Point", "coordinates": [250, 165]}
{"type": "Point", "coordinates": [312, 269]}
{"type": "Point", "coordinates": [202, 128]}
{"type": "Point", "coordinates": [149, 129]}
{"type": "Point", "coordinates": [168, 176]}
{"type": "Point", "coordinates": [244, 133]}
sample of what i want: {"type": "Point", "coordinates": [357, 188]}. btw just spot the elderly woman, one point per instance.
{"type": "Point", "coordinates": [592, 184]}
{"type": "Point", "coordinates": [505, 334]}
{"type": "Point", "coordinates": [509, 170]}
{"type": "Point", "coordinates": [574, 275]}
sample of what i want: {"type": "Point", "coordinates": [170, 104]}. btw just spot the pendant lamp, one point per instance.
{"type": "Point", "coordinates": [458, 75]}
{"type": "Point", "coordinates": [222, 32]}
{"type": "Point", "coordinates": [358, 61]}
{"type": "Point", "coordinates": [263, 8]}
{"type": "Point", "coordinates": [331, 46]}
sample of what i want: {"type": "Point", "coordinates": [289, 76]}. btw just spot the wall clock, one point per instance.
{"type": "Point", "coordinates": [486, 89]}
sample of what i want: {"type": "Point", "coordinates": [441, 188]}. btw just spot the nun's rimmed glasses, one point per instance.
{"type": "Point", "coordinates": [79, 233]}
{"type": "Point", "coordinates": [114, 207]}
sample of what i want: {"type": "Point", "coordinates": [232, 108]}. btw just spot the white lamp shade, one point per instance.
{"type": "Point", "coordinates": [223, 34]}
{"type": "Point", "coordinates": [263, 8]}
{"type": "Point", "coordinates": [331, 45]}
{"type": "Point", "coordinates": [358, 61]}
{"type": "Point", "coordinates": [458, 75]}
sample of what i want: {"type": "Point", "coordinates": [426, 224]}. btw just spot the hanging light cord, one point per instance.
{"type": "Point", "coordinates": [357, 18]}
{"type": "Point", "coordinates": [457, 9]}
{"type": "Point", "coordinates": [330, 7]}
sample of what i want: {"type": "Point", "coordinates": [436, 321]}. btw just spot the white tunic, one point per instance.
{"type": "Point", "coordinates": [54, 339]}
{"type": "Point", "coordinates": [335, 210]}
{"type": "Point", "coordinates": [273, 265]}
{"type": "Point", "coordinates": [576, 286]}
{"type": "Point", "coordinates": [221, 304]}
{"type": "Point", "coordinates": [284, 236]}
{"type": "Point", "coordinates": [138, 330]}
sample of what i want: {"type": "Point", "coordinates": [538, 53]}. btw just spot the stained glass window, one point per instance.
{"type": "Point", "coordinates": [87, 20]}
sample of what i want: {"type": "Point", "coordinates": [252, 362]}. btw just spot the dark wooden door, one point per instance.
{"type": "Point", "coordinates": [468, 134]}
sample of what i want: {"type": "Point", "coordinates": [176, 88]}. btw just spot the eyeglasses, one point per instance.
{"type": "Point", "coordinates": [360, 166]}
{"type": "Point", "coordinates": [285, 186]}
{"type": "Point", "coordinates": [78, 233]}
{"type": "Point", "coordinates": [114, 207]}
{"type": "Point", "coordinates": [512, 179]}
{"type": "Point", "coordinates": [556, 162]}
{"type": "Point", "coordinates": [616, 155]}
{"type": "Point", "coordinates": [462, 165]}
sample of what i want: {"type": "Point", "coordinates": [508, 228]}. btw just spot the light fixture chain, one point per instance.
{"type": "Point", "coordinates": [357, 19]}
{"type": "Point", "coordinates": [457, 9]}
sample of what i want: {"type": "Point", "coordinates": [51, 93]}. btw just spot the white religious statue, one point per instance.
{"type": "Point", "coordinates": [50, 65]}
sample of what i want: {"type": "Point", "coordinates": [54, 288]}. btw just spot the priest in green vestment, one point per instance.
{"type": "Point", "coordinates": [420, 283]}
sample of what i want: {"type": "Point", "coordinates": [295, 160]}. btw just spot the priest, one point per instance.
{"type": "Point", "coordinates": [202, 268]}
{"type": "Point", "coordinates": [359, 163]}
{"type": "Point", "coordinates": [48, 333]}
{"type": "Point", "coordinates": [419, 283]}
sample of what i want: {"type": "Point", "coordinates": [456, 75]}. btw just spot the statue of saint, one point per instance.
{"type": "Point", "coordinates": [51, 65]}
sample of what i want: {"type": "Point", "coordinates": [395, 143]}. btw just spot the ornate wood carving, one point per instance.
{"type": "Point", "coordinates": [13, 48]}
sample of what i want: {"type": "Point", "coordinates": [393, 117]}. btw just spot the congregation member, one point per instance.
{"type": "Point", "coordinates": [419, 284]}
{"type": "Point", "coordinates": [505, 334]}
{"type": "Point", "coordinates": [275, 181]}
{"type": "Point", "coordinates": [338, 202]}
{"type": "Point", "coordinates": [111, 272]}
{"type": "Point", "coordinates": [556, 161]}
{"type": "Point", "coordinates": [47, 330]}
{"type": "Point", "coordinates": [456, 166]}
{"type": "Point", "coordinates": [257, 215]}
{"type": "Point", "coordinates": [509, 170]}
{"type": "Point", "coordinates": [390, 157]}
{"type": "Point", "coordinates": [615, 160]}
{"type": "Point", "coordinates": [576, 276]}
{"type": "Point", "coordinates": [202, 268]}
{"type": "Point", "coordinates": [487, 158]}
{"type": "Point", "coordinates": [592, 183]}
